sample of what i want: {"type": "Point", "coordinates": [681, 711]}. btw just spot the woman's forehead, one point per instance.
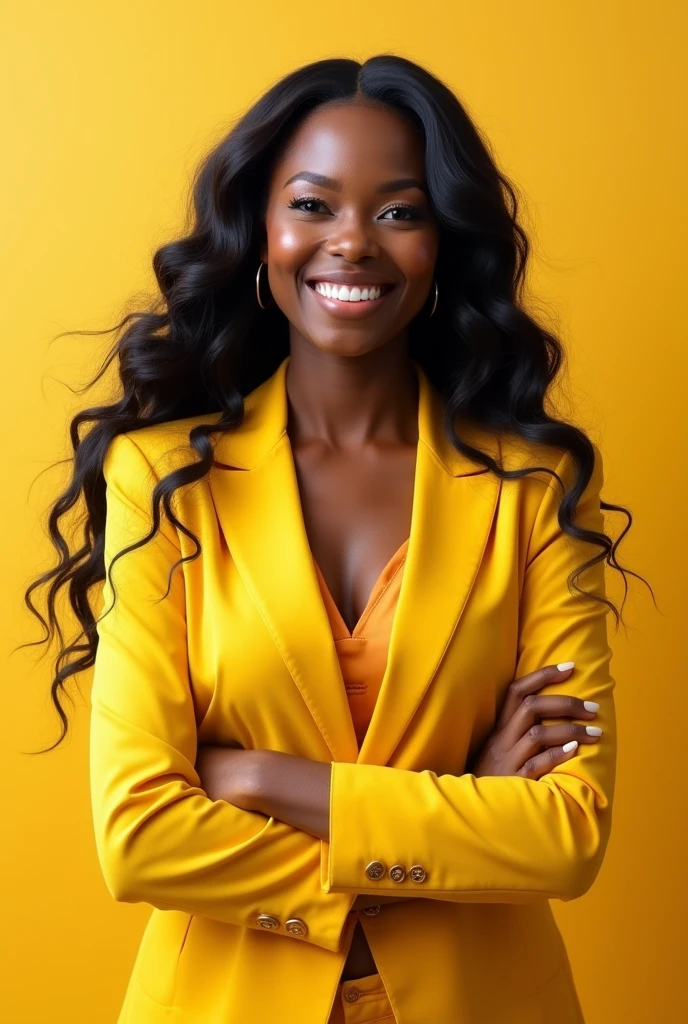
{"type": "Point", "coordinates": [337, 142]}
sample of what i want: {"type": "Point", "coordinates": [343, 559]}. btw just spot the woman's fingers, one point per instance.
{"type": "Point", "coordinates": [535, 707]}
{"type": "Point", "coordinates": [543, 744]}
{"type": "Point", "coordinates": [541, 764]}
{"type": "Point", "coordinates": [521, 744]}
{"type": "Point", "coordinates": [526, 685]}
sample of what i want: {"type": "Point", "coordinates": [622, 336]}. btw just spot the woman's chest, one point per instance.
{"type": "Point", "coordinates": [264, 673]}
{"type": "Point", "coordinates": [357, 513]}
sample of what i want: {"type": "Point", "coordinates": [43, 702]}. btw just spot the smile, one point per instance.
{"type": "Point", "coordinates": [343, 293]}
{"type": "Point", "coordinates": [342, 300]}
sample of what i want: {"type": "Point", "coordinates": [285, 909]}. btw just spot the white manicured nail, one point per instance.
{"type": "Point", "coordinates": [570, 746]}
{"type": "Point", "coordinates": [563, 666]}
{"type": "Point", "coordinates": [593, 730]}
{"type": "Point", "coordinates": [591, 705]}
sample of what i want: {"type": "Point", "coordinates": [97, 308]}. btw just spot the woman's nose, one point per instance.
{"type": "Point", "coordinates": [352, 237]}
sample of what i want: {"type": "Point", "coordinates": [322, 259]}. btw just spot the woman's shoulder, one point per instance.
{"type": "Point", "coordinates": [165, 446]}
{"type": "Point", "coordinates": [518, 452]}
{"type": "Point", "coordinates": [542, 461]}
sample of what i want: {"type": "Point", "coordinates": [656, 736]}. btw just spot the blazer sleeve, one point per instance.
{"type": "Point", "coordinates": [160, 839]}
{"type": "Point", "coordinates": [503, 838]}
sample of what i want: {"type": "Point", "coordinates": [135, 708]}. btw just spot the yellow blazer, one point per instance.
{"type": "Point", "coordinates": [241, 650]}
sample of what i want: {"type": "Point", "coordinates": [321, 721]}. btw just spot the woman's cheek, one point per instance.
{"type": "Point", "coordinates": [424, 257]}
{"type": "Point", "coordinates": [286, 242]}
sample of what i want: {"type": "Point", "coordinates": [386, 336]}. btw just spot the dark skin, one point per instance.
{"type": "Point", "coordinates": [352, 424]}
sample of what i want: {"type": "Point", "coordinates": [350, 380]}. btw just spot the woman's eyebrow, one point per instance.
{"type": "Point", "coordinates": [332, 183]}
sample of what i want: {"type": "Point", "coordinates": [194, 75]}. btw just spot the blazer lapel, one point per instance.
{"type": "Point", "coordinates": [454, 504]}
{"type": "Point", "coordinates": [259, 509]}
{"type": "Point", "coordinates": [256, 496]}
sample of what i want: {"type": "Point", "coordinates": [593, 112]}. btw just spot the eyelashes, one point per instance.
{"type": "Point", "coordinates": [295, 203]}
{"type": "Point", "coordinates": [415, 213]}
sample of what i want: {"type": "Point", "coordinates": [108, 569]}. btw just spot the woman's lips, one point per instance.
{"type": "Point", "coordinates": [349, 309]}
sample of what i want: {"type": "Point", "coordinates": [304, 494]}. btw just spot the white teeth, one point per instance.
{"type": "Point", "coordinates": [346, 294]}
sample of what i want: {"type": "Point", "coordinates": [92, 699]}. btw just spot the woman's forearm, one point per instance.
{"type": "Point", "coordinates": [293, 789]}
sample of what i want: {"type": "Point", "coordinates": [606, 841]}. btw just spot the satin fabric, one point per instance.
{"type": "Point", "coordinates": [362, 653]}
{"type": "Point", "coordinates": [219, 635]}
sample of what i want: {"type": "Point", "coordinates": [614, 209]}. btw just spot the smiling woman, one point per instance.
{"type": "Point", "coordinates": [332, 481]}
{"type": "Point", "coordinates": [368, 208]}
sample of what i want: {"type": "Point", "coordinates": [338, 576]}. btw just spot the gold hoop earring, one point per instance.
{"type": "Point", "coordinates": [260, 266]}
{"type": "Point", "coordinates": [435, 302]}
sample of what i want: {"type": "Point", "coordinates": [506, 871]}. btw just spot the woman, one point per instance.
{"type": "Point", "coordinates": [347, 603]}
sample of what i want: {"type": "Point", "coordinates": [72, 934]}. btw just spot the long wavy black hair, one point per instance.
{"type": "Point", "coordinates": [204, 343]}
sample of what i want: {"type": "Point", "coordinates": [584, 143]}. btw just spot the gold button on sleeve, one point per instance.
{"type": "Point", "coordinates": [418, 873]}
{"type": "Point", "coordinates": [295, 926]}
{"type": "Point", "coordinates": [375, 869]}
{"type": "Point", "coordinates": [267, 921]}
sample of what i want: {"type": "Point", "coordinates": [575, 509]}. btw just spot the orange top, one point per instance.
{"type": "Point", "coordinates": [363, 653]}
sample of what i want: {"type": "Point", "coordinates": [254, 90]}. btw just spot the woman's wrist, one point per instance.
{"type": "Point", "coordinates": [229, 773]}
{"type": "Point", "coordinates": [296, 790]}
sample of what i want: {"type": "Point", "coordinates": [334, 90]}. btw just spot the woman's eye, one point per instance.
{"type": "Point", "coordinates": [411, 210]}
{"type": "Point", "coordinates": [407, 212]}
{"type": "Point", "coordinates": [297, 204]}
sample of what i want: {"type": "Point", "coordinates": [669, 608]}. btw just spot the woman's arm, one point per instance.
{"type": "Point", "coordinates": [293, 789]}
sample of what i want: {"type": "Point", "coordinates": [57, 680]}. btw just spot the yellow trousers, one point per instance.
{"type": "Point", "coordinates": [363, 1001]}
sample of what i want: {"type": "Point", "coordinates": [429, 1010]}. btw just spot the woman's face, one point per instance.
{"type": "Point", "coordinates": [346, 205]}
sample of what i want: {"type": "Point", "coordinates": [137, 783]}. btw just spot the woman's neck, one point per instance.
{"type": "Point", "coordinates": [346, 402]}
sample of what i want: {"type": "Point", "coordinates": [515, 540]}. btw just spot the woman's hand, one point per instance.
{"type": "Point", "coordinates": [520, 744]}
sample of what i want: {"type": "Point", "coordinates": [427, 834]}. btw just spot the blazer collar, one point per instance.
{"type": "Point", "coordinates": [255, 491]}
{"type": "Point", "coordinates": [265, 421]}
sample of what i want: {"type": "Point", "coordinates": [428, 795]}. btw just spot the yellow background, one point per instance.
{"type": "Point", "coordinates": [106, 112]}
